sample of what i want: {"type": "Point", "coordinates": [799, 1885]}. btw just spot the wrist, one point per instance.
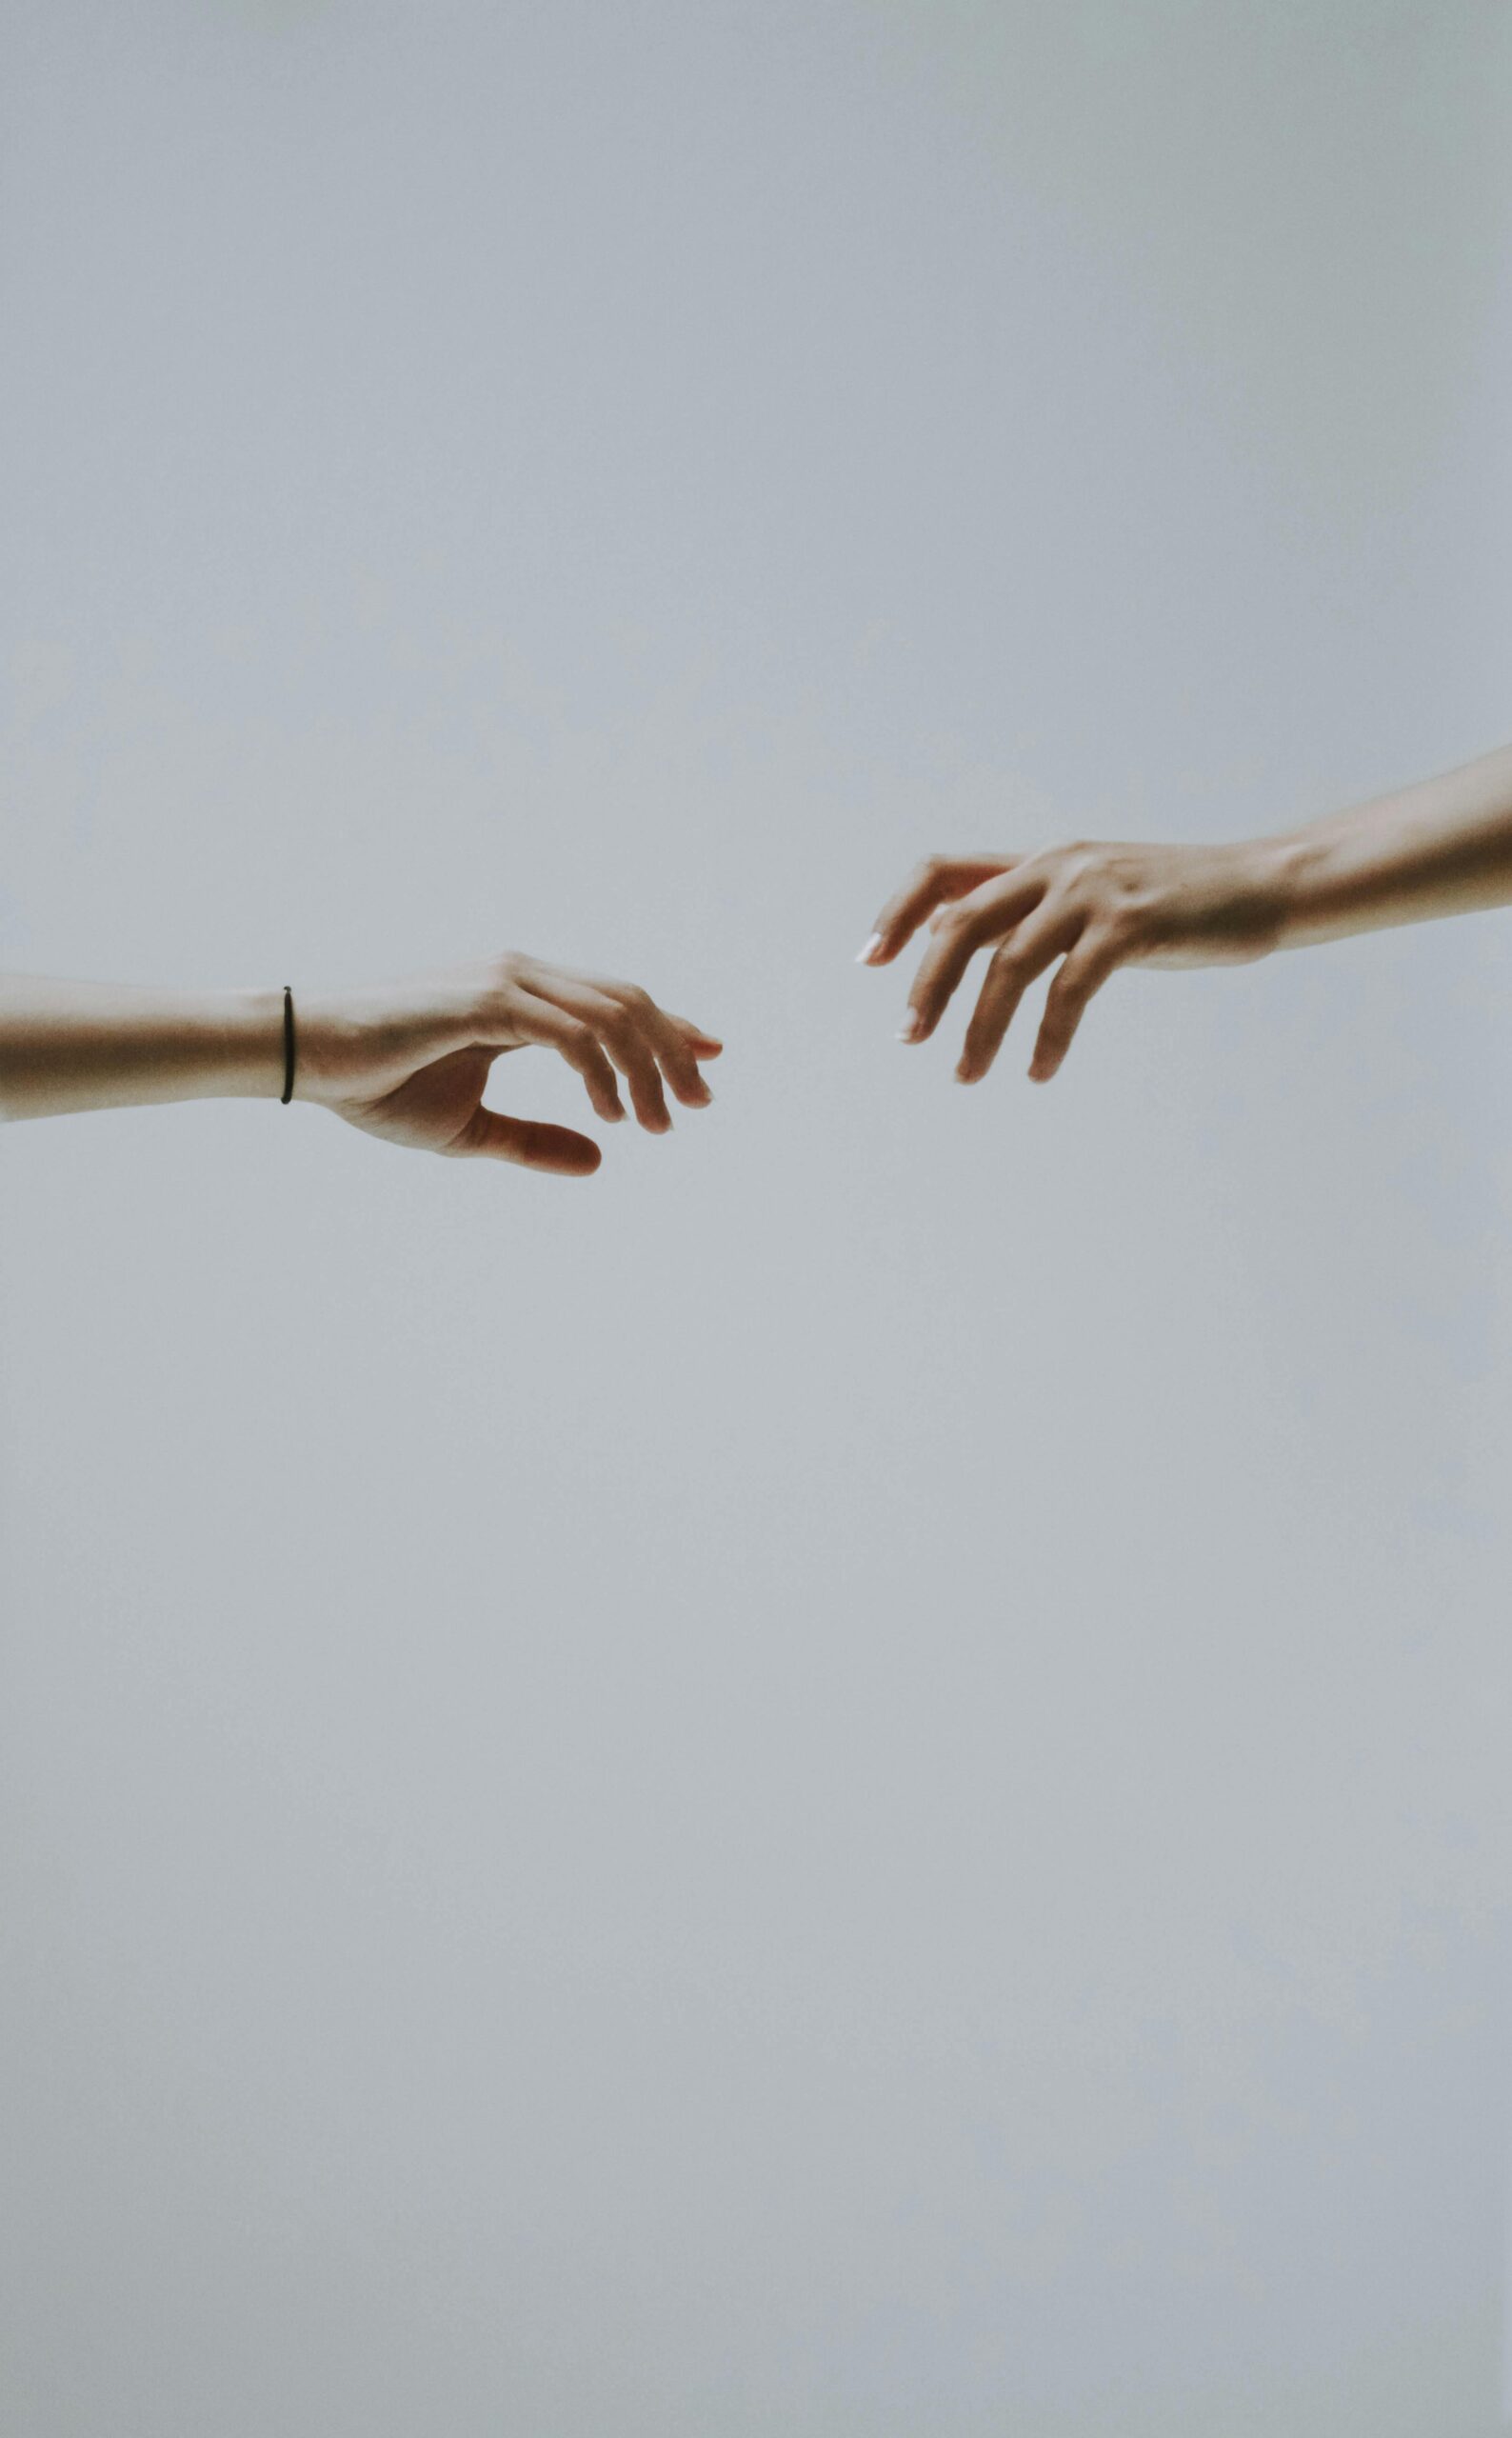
{"type": "Point", "coordinates": [1282, 875]}
{"type": "Point", "coordinates": [245, 1031]}
{"type": "Point", "coordinates": [1228, 902]}
{"type": "Point", "coordinates": [327, 1033]}
{"type": "Point", "coordinates": [1332, 880]}
{"type": "Point", "coordinates": [1293, 863]}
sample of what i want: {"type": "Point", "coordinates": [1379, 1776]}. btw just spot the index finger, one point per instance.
{"type": "Point", "coordinates": [987, 915]}
{"type": "Point", "coordinates": [933, 883]}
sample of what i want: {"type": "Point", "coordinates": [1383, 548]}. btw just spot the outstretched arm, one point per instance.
{"type": "Point", "coordinates": [407, 1060]}
{"type": "Point", "coordinates": [1441, 848]}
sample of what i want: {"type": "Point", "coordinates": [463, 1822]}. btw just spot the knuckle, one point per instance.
{"type": "Point", "coordinates": [958, 938]}
{"type": "Point", "coordinates": [1067, 868]}
{"type": "Point", "coordinates": [1090, 871]}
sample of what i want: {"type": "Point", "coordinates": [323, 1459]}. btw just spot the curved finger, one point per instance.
{"type": "Point", "coordinates": [674, 1043]}
{"type": "Point", "coordinates": [554, 1149]}
{"type": "Point", "coordinates": [977, 920]}
{"type": "Point", "coordinates": [1080, 977]}
{"type": "Point", "coordinates": [622, 1031]}
{"type": "Point", "coordinates": [1035, 945]}
{"type": "Point", "coordinates": [553, 1028]}
{"type": "Point", "coordinates": [680, 1064]}
{"type": "Point", "coordinates": [704, 1044]}
{"type": "Point", "coordinates": [930, 883]}
{"type": "Point", "coordinates": [687, 1046]}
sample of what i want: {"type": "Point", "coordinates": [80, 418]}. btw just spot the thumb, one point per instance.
{"type": "Point", "coordinates": [555, 1150]}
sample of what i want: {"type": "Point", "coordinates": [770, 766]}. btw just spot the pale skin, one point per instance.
{"type": "Point", "coordinates": [408, 1061]}
{"type": "Point", "coordinates": [1443, 847]}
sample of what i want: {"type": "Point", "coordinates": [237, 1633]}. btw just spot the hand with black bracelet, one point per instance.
{"type": "Point", "coordinates": [408, 1061]}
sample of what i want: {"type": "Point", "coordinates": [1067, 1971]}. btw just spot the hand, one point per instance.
{"type": "Point", "coordinates": [1094, 906]}
{"type": "Point", "coordinates": [410, 1060]}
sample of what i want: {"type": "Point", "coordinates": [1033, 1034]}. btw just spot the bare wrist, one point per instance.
{"type": "Point", "coordinates": [1331, 883]}
{"type": "Point", "coordinates": [1283, 871]}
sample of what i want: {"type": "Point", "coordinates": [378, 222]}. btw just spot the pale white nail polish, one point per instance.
{"type": "Point", "coordinates": [864, 956]}
{"type": "Point", "coordinates": [911, 1027]}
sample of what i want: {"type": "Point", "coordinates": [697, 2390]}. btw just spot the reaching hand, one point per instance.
{"type": "Point", "coordinates": [1094, 906]}
{"type": "Point", "coordinates": [410, 1060]}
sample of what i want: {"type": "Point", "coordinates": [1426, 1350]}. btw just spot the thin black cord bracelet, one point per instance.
{"type": "Point", "coordinates": [287, 1093]}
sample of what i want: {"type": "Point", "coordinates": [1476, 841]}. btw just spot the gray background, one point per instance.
{"type": "Point", "coordinates": [853, 1780]}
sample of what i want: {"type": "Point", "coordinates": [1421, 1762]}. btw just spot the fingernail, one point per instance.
{"type": "Point", "coordinates": [965, 1074]}
{"type": "Point", "coordinates": [911, 1027]}
{"type": "Point", "coordinates": [864, 956]}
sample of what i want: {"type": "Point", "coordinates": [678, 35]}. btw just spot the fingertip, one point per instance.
{"type": "Point", "coordinates": [580, 1159]}
{"type": "Point", "coordinates": [560, 1150]}
{"type": "Point", "coordinates": [690, 1094]}
{"type": "Point", "coordinates": [699, 1043]}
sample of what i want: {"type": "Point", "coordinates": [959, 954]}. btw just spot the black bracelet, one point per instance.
{"type": "Point", "coordinates": [287, 1093]}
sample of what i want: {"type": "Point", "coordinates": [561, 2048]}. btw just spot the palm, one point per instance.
{"type": "Point", "coordinates": [433, 1109]}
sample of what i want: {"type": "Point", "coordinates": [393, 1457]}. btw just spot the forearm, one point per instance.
{"type": "Point", "coordinates": [71, 1046]}
{"type": "Point", "coordinates": [1443, 847]}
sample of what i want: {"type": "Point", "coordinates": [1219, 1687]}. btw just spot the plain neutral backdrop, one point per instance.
{"type": "Point", "coordinates": [853, 1780]}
